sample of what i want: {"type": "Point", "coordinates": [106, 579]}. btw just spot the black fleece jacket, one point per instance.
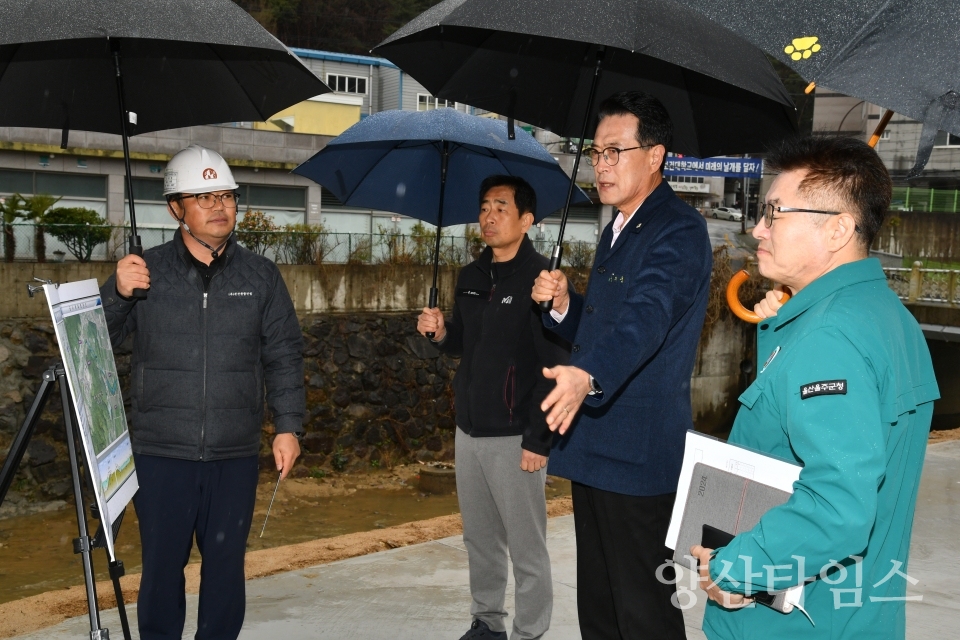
{"type": "Point", "coordinates": [202, 356]}
{"type": "Point", "coordinates": [497, 330]}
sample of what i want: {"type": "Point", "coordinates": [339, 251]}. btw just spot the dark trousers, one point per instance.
{"type": "Point", "coordinates": [619, 549]}
{"type": "Point", "coordinates": [180, 498]}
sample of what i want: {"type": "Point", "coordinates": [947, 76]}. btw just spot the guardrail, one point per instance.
{"type": "Point", "coordinates": [918, 285]}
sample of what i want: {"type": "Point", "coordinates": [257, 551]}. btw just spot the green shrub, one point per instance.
{"type": "Point", "coordinates": [579, 254]}
{"type": "Point", "coordinates": [360, 251]}
{"type": "Point", "coordinates": [11, 210]}
{"type": "Point", "coordinates": [257, 231]}
{"type": "Point", "coordinates": [304, 244]}
{"type": "Point", "coordinates": [80, 229]}
{"type": "Point", "coordinates": [35, 207]}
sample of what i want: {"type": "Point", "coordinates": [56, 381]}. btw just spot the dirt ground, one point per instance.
{"type": "Point", "coordinates": [52, 607]}
{"type": "Point", "coordinates": [943, 435]}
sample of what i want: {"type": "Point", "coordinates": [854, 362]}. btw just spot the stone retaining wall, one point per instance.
{"type": "Point", "coordinates": [377, 392]}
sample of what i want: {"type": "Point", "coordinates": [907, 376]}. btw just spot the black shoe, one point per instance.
{"type": "Point", "coordinates": [480, 631]}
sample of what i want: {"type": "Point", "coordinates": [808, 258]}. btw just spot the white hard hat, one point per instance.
{"type": "Point", "coordinates": [197, 170]}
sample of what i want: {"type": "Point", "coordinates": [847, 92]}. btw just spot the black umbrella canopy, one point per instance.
{"type": "Point", "coordinates": [900, 54]}
{"type": "Point", "coordinates": [534, 60]}
{"type": "Point", "coordinates": [183, 63]}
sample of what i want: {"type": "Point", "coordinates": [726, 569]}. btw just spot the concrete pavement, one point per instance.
{"type": "Point", "coordinates": [420, 592]}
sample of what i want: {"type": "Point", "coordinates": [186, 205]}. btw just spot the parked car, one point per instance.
{"type": "Point", "coordinates": [726, 213]}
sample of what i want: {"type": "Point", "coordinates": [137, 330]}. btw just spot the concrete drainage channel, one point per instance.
{"type": "Point", "coordinates": [438, 478]}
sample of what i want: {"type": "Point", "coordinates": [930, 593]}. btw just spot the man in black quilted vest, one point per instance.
{"type": "Point", "coordinates": [216, 328]}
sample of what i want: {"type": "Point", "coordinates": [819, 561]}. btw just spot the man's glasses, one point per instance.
{"type": "Point", "coordinates": [229, 200]}
{"type": "Point", "coordinates": [611, 155]}
{"type": "Point", "coordinates": [769, 209]}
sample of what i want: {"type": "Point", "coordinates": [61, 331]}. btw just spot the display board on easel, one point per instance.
{"type": "Point", "coordinates": [84, 340]}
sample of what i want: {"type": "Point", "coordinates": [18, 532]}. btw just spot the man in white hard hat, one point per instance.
{"type": "Point", "coordinates": [217, 328]}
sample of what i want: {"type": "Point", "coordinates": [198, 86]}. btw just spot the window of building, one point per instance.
{"type": "Point", "coordinates": [347, 84]}
{"type": "Point", "coordinates": [263, 197]}
{"type": "Point", "coordinates": [16, 182]}
{"type": "Point", "coordinates": [327, 199]}
{"type": "Point", "coordinates": [67, 184]}
{"type": "Point", "coordinates": [426, 102]}
{"type": "Point", "coordinates": [945, 139]}
{"type": "Point", "coordinates": [145, 190]}
{"type": "Point", "coordinates": [687, 179]}
{"type": "Point", "coordinates": [54, 184]}
{"type": "Point", "coordinates": [152, 210]}
{"type": "Point", "coordinates": [286, 205]}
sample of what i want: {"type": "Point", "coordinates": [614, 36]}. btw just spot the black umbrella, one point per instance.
{"type": "Point", "coordinates": [548, 63]}
{"type": "Point", "coordinates": [134, 66]}
{"type": "Point", "coordinates": [900, 55]}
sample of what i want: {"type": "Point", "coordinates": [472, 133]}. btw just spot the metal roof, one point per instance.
{"type": "Point", "coordinates": [313, 54]}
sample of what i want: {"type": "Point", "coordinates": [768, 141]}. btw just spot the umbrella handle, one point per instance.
{"type": "Point", "coordinates": [733, 298]}
{"type": "Point", "coordinates": [433, 305]}
{"type": "Point", "coordinates": [137, 249]}
{"type": "Point", "coordinates": [547, 305]}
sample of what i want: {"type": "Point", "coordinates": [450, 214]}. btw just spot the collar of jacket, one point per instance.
{"type": "Point", "coordinates": [648, 210]}
{"type": "Point", "coordinates": [508, 268]}
{"type": "Point", "coordinates": [864, 270]}
{"type": "Point", "coordinates": [184, 253]}
{"type": "Point", "coordinates": [649, 207]}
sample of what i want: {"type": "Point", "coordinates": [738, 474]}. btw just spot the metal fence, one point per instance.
{"type": "Point", "coordinates": [317, 246]}
{"type": "Point", "coordinates": [313, 246]}
{"type": "Point", "coordinates": [916, 284]}
{"type": "Point", "coordinates": [18, 241]}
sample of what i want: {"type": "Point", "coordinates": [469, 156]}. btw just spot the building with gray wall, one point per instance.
{"type": "Point", "coordinates": [90, 172]}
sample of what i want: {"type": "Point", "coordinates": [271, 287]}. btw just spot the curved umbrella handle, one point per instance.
{"type": "Point", "coordinates": [733, 298]}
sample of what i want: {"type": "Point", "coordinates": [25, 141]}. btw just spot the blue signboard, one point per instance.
{"type": "Point", "coordinates": [718, 167]}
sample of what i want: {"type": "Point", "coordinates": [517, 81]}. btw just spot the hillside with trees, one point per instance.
{"type": "Point", "coordinates": [356, 26]}
{"type": "Point", "coordinates": [346, 26]}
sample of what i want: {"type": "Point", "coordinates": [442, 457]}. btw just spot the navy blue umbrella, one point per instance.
{"type": "Point", "coordinates": [429, 166]}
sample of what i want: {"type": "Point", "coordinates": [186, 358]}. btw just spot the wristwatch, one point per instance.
{"type": "Point", "coordinates": [594, 387]}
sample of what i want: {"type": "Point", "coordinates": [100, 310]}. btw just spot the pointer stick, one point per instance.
{"type": "Point", "coordinates": [271, 505]}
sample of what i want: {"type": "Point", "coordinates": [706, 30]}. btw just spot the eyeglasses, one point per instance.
{"type": "Point", "coordinates": [611, 155]}
{"type": "Point", "coordinates": [768, 210]}
{"type": "Point", "coordinates": [229, 200]}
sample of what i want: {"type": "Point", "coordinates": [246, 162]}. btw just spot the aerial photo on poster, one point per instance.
{"type": "Point", "coordinates": [84, 340]}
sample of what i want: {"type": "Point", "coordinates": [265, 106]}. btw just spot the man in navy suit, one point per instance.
{"type": "Point", "coordinates": [623, 403]}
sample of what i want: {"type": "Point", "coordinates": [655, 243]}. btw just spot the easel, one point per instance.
{"type": "Point", "coordinates": [83, 544]}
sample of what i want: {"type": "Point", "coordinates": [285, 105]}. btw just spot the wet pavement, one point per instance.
{"type": "Point", "coordinates": [421, 591]}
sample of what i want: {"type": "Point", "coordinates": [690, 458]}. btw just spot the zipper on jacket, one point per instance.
{"type": "Point", "coordinates": [510, 391]}
{"type": "Point", "coordinates": [203, 404]}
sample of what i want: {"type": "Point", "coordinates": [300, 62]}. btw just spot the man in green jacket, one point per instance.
{"type": "Point", "coordinates": [846, 390]}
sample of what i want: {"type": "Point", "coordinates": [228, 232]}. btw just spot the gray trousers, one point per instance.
{"type": "Point", "coordinates": [503, 507]}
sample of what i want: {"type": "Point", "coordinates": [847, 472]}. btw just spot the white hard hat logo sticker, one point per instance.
{"type": "Point", "coordinates": [209, 174]}
{"type": "Point", "coordinates": [170, 180]}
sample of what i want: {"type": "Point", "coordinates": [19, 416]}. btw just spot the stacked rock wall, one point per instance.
{"type": "Point", "coordinates": [378, 394]}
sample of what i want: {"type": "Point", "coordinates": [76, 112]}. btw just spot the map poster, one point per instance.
{"type": "Point", "coordinates": [84, 339]}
